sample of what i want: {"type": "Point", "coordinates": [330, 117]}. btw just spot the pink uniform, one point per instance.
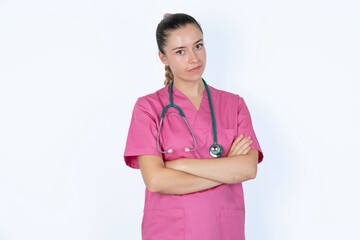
{"type": "Point", "coordinates": [213, 214]}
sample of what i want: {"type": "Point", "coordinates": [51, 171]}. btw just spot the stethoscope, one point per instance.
{"type": "Point", "coordinates": [215, 149]}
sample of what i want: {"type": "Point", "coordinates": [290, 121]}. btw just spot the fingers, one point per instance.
{"type": "Point", "coordinates": [241, 145]}
{"type": "Point", "coordinates": [237, 140]}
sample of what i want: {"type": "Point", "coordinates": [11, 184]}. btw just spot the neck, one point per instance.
{"type": "Point", "coordinates": [190, 89]}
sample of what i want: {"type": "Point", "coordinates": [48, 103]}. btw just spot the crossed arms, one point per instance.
{"type": "Point", "coordinates": [186, 175]}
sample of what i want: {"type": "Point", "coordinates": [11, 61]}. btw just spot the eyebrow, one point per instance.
{"type": "Point", "coordinates": [178, 48]}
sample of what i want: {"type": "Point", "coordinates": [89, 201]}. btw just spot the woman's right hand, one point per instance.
{"type": "Point", "coordinates": [241, 145]}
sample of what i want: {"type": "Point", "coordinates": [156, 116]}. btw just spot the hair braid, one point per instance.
{"type": "Point", "coordinates": [168, 75]}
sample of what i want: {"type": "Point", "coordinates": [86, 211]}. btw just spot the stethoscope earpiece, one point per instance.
{"type": "Point", "coordinates": [216, 150]}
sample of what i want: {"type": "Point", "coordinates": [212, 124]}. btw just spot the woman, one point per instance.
{"type": "Point", "coordinates": [192, 193]}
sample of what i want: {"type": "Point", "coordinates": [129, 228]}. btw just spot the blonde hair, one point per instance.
{"type": "Point", "coordinates": [169, 76]}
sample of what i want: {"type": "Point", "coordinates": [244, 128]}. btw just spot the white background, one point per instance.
{"type": "Point", "coordinates": [70, 72]}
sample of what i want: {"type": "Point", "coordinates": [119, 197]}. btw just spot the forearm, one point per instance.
{"type": "Point", "coordinates": [158, 178]}
{"type": "Point", "coordinates": [170, 181]}
{"type": "Point", "coordinates": [228, 170]}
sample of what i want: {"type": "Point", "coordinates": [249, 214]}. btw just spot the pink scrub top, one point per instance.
{"type": "Point", "coordinates": [214, 214]}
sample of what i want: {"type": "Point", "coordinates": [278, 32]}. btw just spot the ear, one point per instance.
{"type": "Point", "coordinates": [163, 58]}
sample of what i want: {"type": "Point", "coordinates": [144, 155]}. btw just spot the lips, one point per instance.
{"type": "Point", "coordinates": [195, 69]}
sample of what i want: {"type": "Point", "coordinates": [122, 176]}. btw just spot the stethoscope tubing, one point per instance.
{"type": "Point", "coordinates": [215, 150]}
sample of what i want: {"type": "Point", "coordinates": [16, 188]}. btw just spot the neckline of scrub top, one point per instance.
{"type": "Point", "coordinates": [177, 92]}
{"type": "Point", "coordinates": [190, 111]}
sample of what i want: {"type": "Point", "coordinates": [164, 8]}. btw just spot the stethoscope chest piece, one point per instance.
{"type": "Point", "coordinates": [216, 150]}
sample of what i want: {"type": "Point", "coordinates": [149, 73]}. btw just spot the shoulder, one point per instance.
{"type": "Point", "coordinates": [228, 100]}
{"type": "Point", "coordinates": [153, 97]}
{"type": "Point", "coordinates": [152, 101]}
{"type": "Point", "coordinates": [222, 95]}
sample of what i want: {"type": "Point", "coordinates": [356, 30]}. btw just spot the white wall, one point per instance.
{"type": "Point", "coordinates": [70, 72]}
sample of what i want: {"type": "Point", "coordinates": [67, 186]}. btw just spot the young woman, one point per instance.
{"type": "Point", "coordinates": [193, 143]}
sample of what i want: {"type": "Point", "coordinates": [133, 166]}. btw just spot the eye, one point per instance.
{"type": "Point", "coordinates": [180, 52]}
{"type": "Point", "coordinates": [199, 46]}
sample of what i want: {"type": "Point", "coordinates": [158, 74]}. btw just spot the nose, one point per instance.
{"type": "Point", "coordinates": [193, 57]}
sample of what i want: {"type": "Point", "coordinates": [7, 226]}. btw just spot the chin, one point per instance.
{"type": "Point", "coordinates": [191, 77]}
{"type": "Point", "coordinates": [194, 77]}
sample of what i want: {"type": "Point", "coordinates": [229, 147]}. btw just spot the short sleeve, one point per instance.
{"type": "Point", "coordinates": [141, 139]}
{"type": "Point", "coordinates": [245, 127]}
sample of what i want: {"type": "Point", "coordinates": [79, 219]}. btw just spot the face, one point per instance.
{"type": "Point", "coordinates": [185, 53]}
